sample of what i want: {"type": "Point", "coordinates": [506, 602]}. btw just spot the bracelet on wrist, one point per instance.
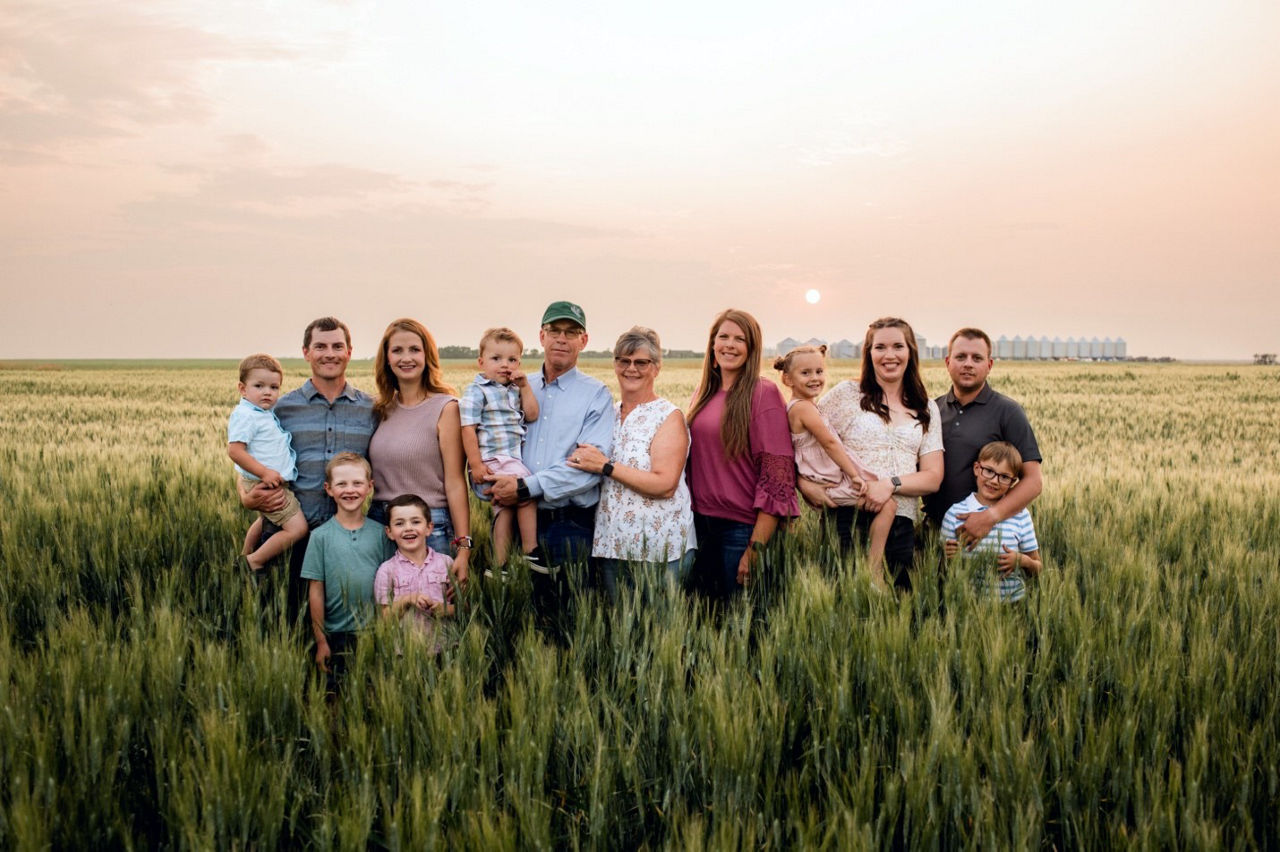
{"type": "Point", "coordinates": [462, 541]}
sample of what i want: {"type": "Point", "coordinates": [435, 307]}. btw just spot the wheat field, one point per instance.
{"type": "Point", "coordinates": [151, 697]}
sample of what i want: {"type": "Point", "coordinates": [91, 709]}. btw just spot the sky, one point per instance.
{"type": "Point", "coordinates": [200, 179]}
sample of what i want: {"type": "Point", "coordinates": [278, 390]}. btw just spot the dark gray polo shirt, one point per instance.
{"type": "Point", "coordinates": [966, 430]}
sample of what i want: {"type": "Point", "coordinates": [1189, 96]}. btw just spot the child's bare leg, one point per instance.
{"type": "Point", "coordinates": [527, 516]}
{"type": "Point", "coordinates": [503, 526]}
{"type": "Point", "coordinates": [293, 530]}
{"type": "Point", "coordinates": [252, 537]}
{"type": "Point", "coordinates": [879, 537]}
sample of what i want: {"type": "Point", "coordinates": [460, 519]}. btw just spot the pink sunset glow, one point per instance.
{"type": "Point", "coordinates": [186, 179]}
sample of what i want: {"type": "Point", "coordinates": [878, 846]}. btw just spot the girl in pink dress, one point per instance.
{"type": "Point", "coordinates": [820, 455]}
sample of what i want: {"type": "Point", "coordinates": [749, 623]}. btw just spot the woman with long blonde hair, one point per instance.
{"type": "Point", "coordinates": [741, 469]}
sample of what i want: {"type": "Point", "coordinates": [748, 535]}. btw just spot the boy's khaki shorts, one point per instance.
{"type": "Point", "coordinates": [287, 511]}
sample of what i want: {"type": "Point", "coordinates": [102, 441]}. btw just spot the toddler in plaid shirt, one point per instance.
{"type": "Point", "coordinates": [494, 409]}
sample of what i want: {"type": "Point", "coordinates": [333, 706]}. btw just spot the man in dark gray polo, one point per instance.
{"type": "Point", "coordinates": [973, 415]}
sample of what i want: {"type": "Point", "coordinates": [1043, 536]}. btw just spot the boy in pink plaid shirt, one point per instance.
{"type": "Point", "coordinates": [413, 581]}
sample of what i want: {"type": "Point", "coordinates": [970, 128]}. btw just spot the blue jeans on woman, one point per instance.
{"type": "Point", "coordinates": [721, 543]}
{"type": "Point", "coordinates": [676, 569]}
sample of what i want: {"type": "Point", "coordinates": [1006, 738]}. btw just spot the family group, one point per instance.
{"type": "Point", "coordinates": [630, 485]}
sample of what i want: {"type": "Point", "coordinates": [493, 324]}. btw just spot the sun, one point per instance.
{"type": "Point", "coordinates": [812, 296]}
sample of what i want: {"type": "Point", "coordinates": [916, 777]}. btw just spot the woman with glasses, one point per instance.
{"type": "Point", "coordinates": [645, 516]}
{"type": "Point", "coordinates": [742, 472]}
{"type": "Point", "coordinates": [888, 420]}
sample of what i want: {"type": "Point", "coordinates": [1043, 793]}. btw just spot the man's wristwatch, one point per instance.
{"type": "Point", "coordinates": [897, 483]}
{"type": "Point", "coordinates": [522, 490]}
{"type": "Point", "coordinates": [607, 470]}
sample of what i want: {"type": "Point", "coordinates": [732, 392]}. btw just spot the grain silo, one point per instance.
{"type": "Point", "coordinates": [1004, 347]}
{"type": "Point", "coordinates": [1019, 348]}
{"type": "Point", "coordinates": [1059, 348]}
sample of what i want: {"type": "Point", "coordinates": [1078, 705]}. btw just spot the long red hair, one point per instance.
{"type": "Point", "coordinates": [385, 378]}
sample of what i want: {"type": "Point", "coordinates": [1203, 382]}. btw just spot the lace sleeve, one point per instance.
{"type": "Point", "coordinates": [776, 485]}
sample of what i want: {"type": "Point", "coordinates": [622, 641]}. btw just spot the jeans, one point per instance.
{"type": "Point", "coordinates": [899, 550]}
{"type": "Point", "coordinates": [721, 543]}
{"type": "Point", "coordinates": [611, 569]}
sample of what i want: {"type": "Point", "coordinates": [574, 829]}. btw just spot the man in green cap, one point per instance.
{"type": "Point", "coordinates": [573, 409]}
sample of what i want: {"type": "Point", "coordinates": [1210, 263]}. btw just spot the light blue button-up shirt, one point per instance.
{"type": "Point", "coordinates": [574, 409]}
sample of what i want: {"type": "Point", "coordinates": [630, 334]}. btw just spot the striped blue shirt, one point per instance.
{"type": "Point", "coordinates": [1016, 533]}
{"type": "Point", "coordinates": [573, 409]}
{"type": "Point", "coordinates": [494, 409]}
{"type": "Point", "coordinates": [320, 430]}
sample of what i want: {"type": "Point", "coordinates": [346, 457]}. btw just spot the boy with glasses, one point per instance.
{"type": "Point", "coordinates": [1011, 542]}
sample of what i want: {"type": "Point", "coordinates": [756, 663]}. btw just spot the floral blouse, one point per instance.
{"type": "Point", "coordinates": [629, 525]}
{"type": "Point", "coordinates": [886, 449]}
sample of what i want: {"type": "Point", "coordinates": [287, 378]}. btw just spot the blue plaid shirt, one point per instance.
{"type": "Point", "coordinates": [494, 409]}
{"type": "Point", "coordinates": [320, 430]}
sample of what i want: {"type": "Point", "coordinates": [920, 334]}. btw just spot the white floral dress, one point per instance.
{"type": "Point", "coordinates": [886, 449]}
{"type": "Point", "coordinates": [629, 525]}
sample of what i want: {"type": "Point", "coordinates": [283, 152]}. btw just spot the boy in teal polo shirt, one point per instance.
{"type": "Point", "coordinates": [341, 562]}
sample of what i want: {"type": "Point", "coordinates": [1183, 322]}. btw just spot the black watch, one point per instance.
{"type": "Point", "coordinates": [522, 490]}
{"type": "Point", "coordinates": [607, 470]}
{"type": "Point", "coordinates": [897, 483]}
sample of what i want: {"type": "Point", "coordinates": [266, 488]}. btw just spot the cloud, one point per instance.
{"type": "Point", "coordinates": [857, 136]}
{"type": "Point", "coordinates": [235, 185]}
{"type": "Point", "coordinates": [71, 71]}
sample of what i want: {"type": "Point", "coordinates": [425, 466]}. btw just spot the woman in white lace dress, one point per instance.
{"type": "Point", "coordinates": [888, 420]}
{"type": "Point", "coordinates": [645, 515]}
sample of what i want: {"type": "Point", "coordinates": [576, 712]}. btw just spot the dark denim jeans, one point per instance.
{"type": "Point", "coordinates": [899, 550]}
{"type": "Point", "coordinates": [613, 570]}
{"type": "Point", "coordinates": [721, 543]}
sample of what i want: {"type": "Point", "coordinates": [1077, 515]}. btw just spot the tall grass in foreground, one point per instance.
{"type": "Point", "coordinates": [149, 697]}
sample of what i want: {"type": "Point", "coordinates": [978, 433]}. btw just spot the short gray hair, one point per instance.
{"type": "Point", "coordinates": [636, 337]}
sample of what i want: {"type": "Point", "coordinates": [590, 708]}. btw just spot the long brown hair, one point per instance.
{"type": "Point", "coordinates": [735, 425]}
{"type": "Point", "coordinates": [388, 384]}
{"type": "Point", "coordinates": [914, 395]}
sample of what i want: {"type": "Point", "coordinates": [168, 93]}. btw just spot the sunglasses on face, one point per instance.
{"type": "Point", "coordinates": [627, 363]}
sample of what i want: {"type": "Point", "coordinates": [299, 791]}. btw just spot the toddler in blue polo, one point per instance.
{"type": "Point", "coordinates": [263, 452]}
{"type": "Point", "coordinates": [494, 409]}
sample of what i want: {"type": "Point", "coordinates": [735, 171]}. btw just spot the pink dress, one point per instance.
{"type": "Point", "coordinates": [813, 463]}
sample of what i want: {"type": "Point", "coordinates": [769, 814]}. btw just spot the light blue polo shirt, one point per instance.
{"type": "Point", "coordinates": [572, 409]}
{"type": "Point", "coordinates": [260, 431]}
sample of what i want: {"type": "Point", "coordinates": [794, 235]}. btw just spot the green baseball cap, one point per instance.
{"type": "Point", "coordinates": [564, 311]}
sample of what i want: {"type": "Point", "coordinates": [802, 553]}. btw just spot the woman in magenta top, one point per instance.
{"type": "Point", "coordinates": [742, 473]}
{"type": "Point", "coordinates": [417, 447]}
